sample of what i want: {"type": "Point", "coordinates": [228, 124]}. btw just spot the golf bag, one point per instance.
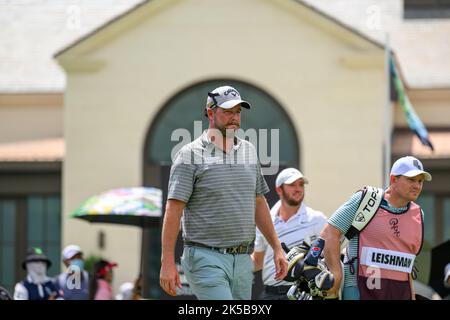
{"type": "Point", "coordinates": [308, 271]}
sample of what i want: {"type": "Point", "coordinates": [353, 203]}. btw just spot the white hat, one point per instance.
{"type": "Point", "coordinates": [288, 176]}
{"type": "Point", "coordinates": [225, 97]}
{"type": "Point", "coordinates": [70, 251]}
{"type": "Point", "coordinates": [409, 167]}
{"type": "Point", "coordinates": [126, 291]}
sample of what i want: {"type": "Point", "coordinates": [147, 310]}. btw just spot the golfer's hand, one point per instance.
{"type": "Point", "coordinates": [281, 265]}
{"type": "Point", "coordinates": [169, 279]}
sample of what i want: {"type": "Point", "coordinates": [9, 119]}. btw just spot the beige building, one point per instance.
{"type": "Point", "coordinates": [312, 73]}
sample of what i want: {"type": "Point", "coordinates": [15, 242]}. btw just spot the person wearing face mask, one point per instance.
{"type": "Point", "coordinates": [74, 283]}
{"type": "Point", "coordinates": [36, 285]}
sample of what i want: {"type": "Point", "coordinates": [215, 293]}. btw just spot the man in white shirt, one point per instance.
{"type": "Point", "coordinates": [294, 223]}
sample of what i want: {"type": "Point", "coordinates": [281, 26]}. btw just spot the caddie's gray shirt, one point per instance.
{"type": "Point", "coordinates": [220, 191]}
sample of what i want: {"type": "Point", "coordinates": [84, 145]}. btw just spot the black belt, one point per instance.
{"type": "Point", "coordinates": [240, 249]}
{"type": "Point", "coordinates": [277, 289]}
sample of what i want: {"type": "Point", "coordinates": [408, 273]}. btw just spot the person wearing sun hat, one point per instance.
{"type": "Point", "coordinates": [36, 285]}
{"type": "Point", "coordinates": [382, 245]}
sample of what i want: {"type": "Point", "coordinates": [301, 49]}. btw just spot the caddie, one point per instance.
{"type": "Point", "coordinates": [294, 222]}
{"type": "Point", "coordinates": [385, 233]}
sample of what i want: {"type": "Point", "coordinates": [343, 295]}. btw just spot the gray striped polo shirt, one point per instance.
{"type": "Point", "coordinates": [220, 191]}
{"type": "Point", "coordinates": [342, 219]}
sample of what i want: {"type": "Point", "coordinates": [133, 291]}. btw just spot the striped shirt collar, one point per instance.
{"type": "Point", "coordinates": [386, 205]}
{"type": "Point", "coordinates": [207, 141]}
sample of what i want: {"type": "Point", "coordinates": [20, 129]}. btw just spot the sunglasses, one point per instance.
{"type": "Point", "coordinates": [215, 103]}
{"type": "Point", "coordinates": [213, 97]}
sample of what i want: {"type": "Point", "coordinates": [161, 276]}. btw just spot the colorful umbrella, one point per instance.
{"type": "Point", "coordinates": [139, 206]}
{"type": "Point", "coordinates": [131, 206]}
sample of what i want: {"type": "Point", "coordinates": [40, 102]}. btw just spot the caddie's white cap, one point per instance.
{"type": "Point", "coordinates": [70, 251]}
{"type": "Point", "coordinates": [409, 167]}
{"type": "Point", "coordinates": [225, 97]}
{"type": "Point", "coordinates": [288, 176]}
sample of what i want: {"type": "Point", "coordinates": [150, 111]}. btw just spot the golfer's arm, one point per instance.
{"type": "Point", "coordinates": [264, 222]}
{"type": "Point", "coordinates": [258, 260]}
{"type": "Point", "coordinates": [171, 228]}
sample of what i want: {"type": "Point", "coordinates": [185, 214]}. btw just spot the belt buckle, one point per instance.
{"type": "Point", "coordinates": [240, 249]}
{"type": "Point", "coordinates": [233, 250]}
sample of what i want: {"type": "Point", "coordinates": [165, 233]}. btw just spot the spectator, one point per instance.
{"type": "Point", "coordinates": [74, 283]}
{"type": "Point", "coordinates": [36, 285]}
{"type": "Point", "coordinates": [126, 291]}
{"type": "Point", "coordinates": [100, 284]}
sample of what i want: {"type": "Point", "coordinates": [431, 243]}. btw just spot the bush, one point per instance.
{"type": "Point", "coordinates": [90, 261]}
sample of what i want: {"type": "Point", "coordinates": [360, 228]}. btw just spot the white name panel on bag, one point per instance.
{"type": "Point", "coordinates": [387, 259]}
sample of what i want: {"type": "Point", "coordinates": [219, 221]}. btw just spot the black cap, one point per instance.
{"type": "Point", "coordinates": [36, 254]}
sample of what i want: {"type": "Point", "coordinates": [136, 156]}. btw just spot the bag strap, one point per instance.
{"type": "Point", "coordinates": [368, 206]}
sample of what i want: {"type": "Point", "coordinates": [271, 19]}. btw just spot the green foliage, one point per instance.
{"type": "Point", "coordinates": [90, 261]}
{"type": "Point", "coordinates": [423, 263]}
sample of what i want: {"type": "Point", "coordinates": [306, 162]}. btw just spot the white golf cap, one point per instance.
{"type": "Point", "coordinates": [288, 176]}
{"type": "Point", "coordinates": [409, 167]}
{"type": "Point", "coordinates": [70, 251]}
{"type": "Point", "coordinates": [225, 97]}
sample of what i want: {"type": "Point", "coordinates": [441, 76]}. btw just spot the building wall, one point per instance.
{"type": "Point", "coordinates": [119, 78]}
{"type": "Point", "coordinates": [30, 117]}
